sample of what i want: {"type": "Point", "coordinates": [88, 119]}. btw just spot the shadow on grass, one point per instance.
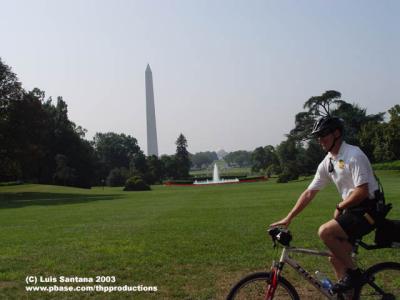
{"type": "Point", "coordinates": [16, 200]}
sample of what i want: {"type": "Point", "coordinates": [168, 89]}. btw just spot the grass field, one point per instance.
{"type": "Point", "coordinates": [190, 242]}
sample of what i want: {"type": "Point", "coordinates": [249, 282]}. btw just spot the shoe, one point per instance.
{"type": "Point", "coordinates": [349, 281]}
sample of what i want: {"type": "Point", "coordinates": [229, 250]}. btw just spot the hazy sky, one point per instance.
{"type": "Point", "coordinates": [227, 74]}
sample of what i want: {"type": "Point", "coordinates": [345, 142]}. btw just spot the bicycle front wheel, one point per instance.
{"type": "Point", "coordinates": [383, 282]}
{"type": "Point", "coordinates": [255, 286]}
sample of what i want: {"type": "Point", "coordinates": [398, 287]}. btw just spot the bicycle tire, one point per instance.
{"type": "Point", "coordinates": [254, 286]}
{"type": "Point", "coordinates": [382, 277]}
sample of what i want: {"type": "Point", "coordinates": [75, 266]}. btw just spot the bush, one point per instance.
{"type": "Point", "coordinates": [136, 183]}
{"type": "Point", "coordinates": [284, 178]}
{"type": "Point", "coordinates": [273, 169]}
{"type": "Point", "coordinates": [394, 165]}
{"type": "Point", "coordinates": [252, 178]}
{"type": "Point", "coordinates": [10, 183]}
{"type": "Point", "coordinates": [179, 182]}
{"type": "Point", "coordinates": [290, 172]}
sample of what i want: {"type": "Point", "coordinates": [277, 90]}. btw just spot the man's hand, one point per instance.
{"type": "Point", "coordinates": [284, 222]}
{"type": "Point", "coordinates": [337, 213]}
{"type": "Point", "coordinates": [302, 202]}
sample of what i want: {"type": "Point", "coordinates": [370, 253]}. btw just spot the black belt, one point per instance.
{"type": "Point", "coordinates": [369, 204]}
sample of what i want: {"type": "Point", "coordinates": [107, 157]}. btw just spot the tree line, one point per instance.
{"type": "Point", "coordinates": [299, 155]}
{"type": "Point", "coordinates": [38, 143]}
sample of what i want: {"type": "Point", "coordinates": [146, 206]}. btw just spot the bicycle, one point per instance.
{"type": "Point", "coordinates": [380, 281]}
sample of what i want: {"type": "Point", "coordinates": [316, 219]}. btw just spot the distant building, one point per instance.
{"type": "Point", "coordinates": [152, 145]}
{"type": "Point", "coordinates": [221, 154]}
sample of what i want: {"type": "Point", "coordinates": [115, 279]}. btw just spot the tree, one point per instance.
{"type": "Point", "coordinates": [354, 118]}
{"type": "Point", "coordinates": [241, 157]}
{"type": "Point", "coordinates": [25, 137]}
{"type": "Point", "coordinates": [259, 159]}
{"type": "Point", "coordinates": [313, 155]}
{"type": "Point", "coordinates": [265, 159]}
{"type": "Point", "coordinates": [155, 172]}
{"type": "Point", "coordinates": [370, 138]}
{"type": "Point", "coordinates": [329, 103]}
{"type": "Point", "coordinates": [169, 166]}
{"type": "Point", "coordinates": [64, 175]}
{"type": "Point", "coordinates": [287, 152]}
{"type": "Point", "coordinates": [114, 151]}
{"type": "Point", "coordinates": [203, 159]}
{"type": "Point", "coordinates": [117, 177]}
{"type": "Point", "coordinates": [138, 165]}
{"type": "Point", "coordinates": [304, 122]}
{"type": "Point", "coordinates": [316, 106]}
{"type": "Point", "coordinates": [10, 91]}
{"type": "Point", "coordinates": [36, 137]}
{"type": "Point", "coordinates": [381, 141]}
{"type": "Point", "coordinates": [182, 157]}
{"type": "Point", "coordinates": [272, 161]}
{"type": "Point", "coordinates": [393, 131]}
{"type": "Point", "coordinates": [10, 87]}
{"type": "Point", "coordinates": [321, 105]}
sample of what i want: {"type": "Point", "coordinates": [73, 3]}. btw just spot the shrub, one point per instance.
{"type": "Point", "coordinates": [290, 172]}
{"type": "Point", "coordinates": [283, 178]}
{"type": "Point", "coordinates": [10, 183]}
{"type": "Point", "coordinates": [252, 178]}
{"type": "Point", "coordinates": [136, 183]}
{"type": "Point", "coordinates": [394, 165]}
{"type": "Point", "coordinates": [167, 182]}
{"type": "Point", "coordinates": [273, 169]}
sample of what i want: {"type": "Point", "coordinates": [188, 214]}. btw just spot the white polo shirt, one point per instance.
{"type": "Point", "coordinates": [352, 169]}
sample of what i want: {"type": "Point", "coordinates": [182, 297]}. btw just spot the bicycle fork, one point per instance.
{"type": "Point", "coordinates": [274, 278]}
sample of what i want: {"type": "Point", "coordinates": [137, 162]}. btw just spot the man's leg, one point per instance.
{"type": "Point", "coordinates": [334, 237]}
{"type": "Point", "coordinates": [339, 267]}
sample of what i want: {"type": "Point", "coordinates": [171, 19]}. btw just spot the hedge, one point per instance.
{"type": "Point", "coordinates": [393, 165]}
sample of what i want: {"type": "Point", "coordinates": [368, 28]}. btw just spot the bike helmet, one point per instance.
{"type": "Point", "coordinates": [326, 125]}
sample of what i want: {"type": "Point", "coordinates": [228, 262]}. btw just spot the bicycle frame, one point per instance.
{"type": "Point", "coordinates": [286, 259]}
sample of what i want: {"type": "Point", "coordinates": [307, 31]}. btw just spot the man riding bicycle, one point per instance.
{"type": "Point", "coordinates": [350, 170]}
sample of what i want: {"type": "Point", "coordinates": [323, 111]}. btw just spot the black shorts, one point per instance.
{"type": "Point", "coordinates": [355, 224]}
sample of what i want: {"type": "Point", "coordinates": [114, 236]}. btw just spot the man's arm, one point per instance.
{"type": "Point", "coordinates": [301, 203]}
{"type": "Point", "coordinates": [359, 194]}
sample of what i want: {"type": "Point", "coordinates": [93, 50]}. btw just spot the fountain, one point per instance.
{"type": "Point", "coordinates": [215, 173]}
{"type": "Point", "coordinates": [216, 179]}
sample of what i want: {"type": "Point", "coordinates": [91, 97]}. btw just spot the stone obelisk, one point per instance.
{"type": "Point", "coordinates": [152, 146]}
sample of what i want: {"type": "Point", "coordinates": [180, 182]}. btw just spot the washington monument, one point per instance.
{"type": "Point", "coordinates": [152, 146]}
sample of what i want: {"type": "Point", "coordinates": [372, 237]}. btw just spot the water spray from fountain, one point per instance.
{"type": "Point", "coordinates": [216, 179]}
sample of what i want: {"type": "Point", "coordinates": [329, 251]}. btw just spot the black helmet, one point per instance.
{"type": "Point", "coordinates": [327, 125]}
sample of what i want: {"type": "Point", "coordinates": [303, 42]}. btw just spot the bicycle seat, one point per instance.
{"type": "Point", "coordinates": [282, 235]}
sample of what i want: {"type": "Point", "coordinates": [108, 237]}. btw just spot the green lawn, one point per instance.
{"type": "Point", "coordinates": [190, 242]}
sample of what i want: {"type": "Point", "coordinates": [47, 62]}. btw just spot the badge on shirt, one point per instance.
{"type": "Point", "coordinates": [341, 164]}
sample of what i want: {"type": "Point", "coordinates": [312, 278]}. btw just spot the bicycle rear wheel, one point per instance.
{"type": "Point", "coordinates": [383, 282]}
{"type": "Point", "coordinates": [255, 286]}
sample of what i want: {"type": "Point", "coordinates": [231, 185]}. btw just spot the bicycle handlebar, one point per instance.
{"type": "Point", "coordinates": [282, 235]}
